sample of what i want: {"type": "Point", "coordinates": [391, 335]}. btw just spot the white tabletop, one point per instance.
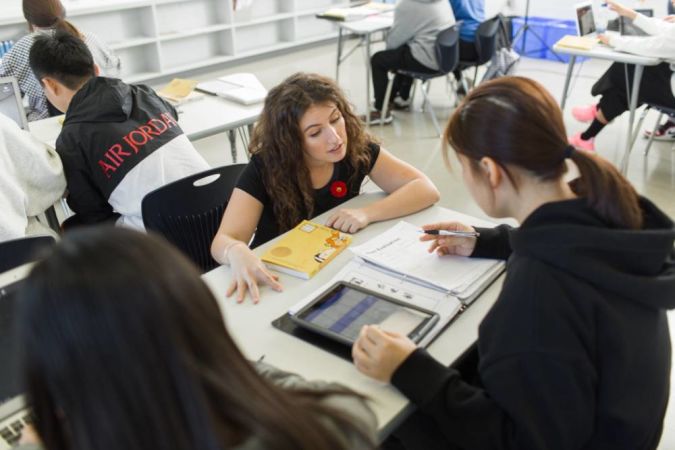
{"type": "Point", "coordinates": [250, 325]}
{"type": "Point", "coordinates": [371, 24]}
{"type": "Point", "coordinates": [600, 51]}
{"type": "Point", "coordinates": [198, 119]}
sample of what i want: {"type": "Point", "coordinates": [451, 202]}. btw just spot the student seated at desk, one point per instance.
{"type": "Point", "coordinates": [655, 86]}
{"type": "Point", "coordinates": [45, 17]}
{"type": "Point", "coordinates": [575, 353]}
{"type": "Point", "coordinates": [124, 347]}
{"type": "Point", "coordinates": [118, 142]}
{"type": "Point", "coordinates": [31, 180]}
{"type": "Point", "coordinates": [471, 13]}
{"type": "Point", "coordinates": [310, 154]}
{"type": "Point", "coordinates": [411, 45]}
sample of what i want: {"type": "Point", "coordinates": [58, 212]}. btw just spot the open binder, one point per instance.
{"type": "Point", "coordinates": [398, 265]}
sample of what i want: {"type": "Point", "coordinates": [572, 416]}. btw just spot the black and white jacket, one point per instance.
{"type": "Point", "coordinates": [118, 143]}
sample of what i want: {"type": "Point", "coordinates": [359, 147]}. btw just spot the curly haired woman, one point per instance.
{"type": "Point", "coordinates": [310, 154]}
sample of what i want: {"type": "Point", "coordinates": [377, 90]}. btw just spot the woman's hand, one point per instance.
{"type": "Point", "coordinates": [450, 245]}
{"type": "Point", "coordinates": [379, 353]}
{"type": "Point", "coordinates": [348, 220]}
{"type": "Point", "coordinates": [669, 19]}
{"type": "Point", "coordinates": [29, 436]}
{"type": "Point", "coordinates": [247, 272]}
{"type": "Point", "coordinates": [603, 38]}
{"type": "Point", "coordinates": [621, 10]}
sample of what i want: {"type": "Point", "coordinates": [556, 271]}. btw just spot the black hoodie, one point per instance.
{"type": "Point", "coordinates": [118, 143]}
{"type": "Point", "coordinates": [575, 353]}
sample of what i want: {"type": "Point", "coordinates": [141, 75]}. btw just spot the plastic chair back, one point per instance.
{"type": "Point", "coordinates": [486, 40]}
{"type": "Point", "coordinates": [447, 49]}
{"type": "Point", "coordinates": [188, 211]}
{"type": "Point", "coordinates": [18, 252]}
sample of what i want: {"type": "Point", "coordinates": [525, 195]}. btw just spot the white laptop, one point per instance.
{"type": "Point", "coordinates": [11, 103]}
{"type": "Point", "coordinates": [14, 416]}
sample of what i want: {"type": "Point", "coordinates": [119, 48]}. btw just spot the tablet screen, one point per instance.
{"type": "Point", "coordinates": [344, 310]}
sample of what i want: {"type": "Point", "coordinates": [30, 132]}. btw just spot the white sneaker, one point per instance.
{"type": "Point", "coordinates": [665, 132]}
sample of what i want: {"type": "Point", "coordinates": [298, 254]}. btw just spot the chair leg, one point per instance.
{"type": "Point", "coordinates": [413, 91]}
{"type": "Point", "coordinates": [427, 103]}
{"type": "Point", "coordinates": [651, 137]}
{"type": "Point", "coordinates": [475, 78]}
{"type": "Point", "coordinates": [636, 130]}
{"type": "Point", "coordinates": [387, 97]}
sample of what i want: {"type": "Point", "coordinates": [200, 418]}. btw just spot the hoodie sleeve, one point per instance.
{"type": "Point", "coordinates": [532, 399]}
{"type": "Point", "coordinates": [493, 243]}
{"type": "Point", "coordinates": [84, 198]}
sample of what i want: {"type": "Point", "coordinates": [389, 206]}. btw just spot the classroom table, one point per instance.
{"type": "Point", "coordinates": [201, 118]}
{"type": "Point", "coordinates": [363, 29]}
{"type": "Point", "coordinates": [604, 52]}
{"type": "Point", "coordinates": [250, 325]}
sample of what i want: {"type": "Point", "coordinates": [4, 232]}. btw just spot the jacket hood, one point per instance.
{"type": "Point", "coordinates": [639, 265]}
{"type": "Point", "coordinates": [101, 100]}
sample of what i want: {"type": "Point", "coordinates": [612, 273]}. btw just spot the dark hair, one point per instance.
{"type": "Point", "coordinates": [125, 348]}
{"type": "Point", "coordinates": [63, 57]}
{"type": "Point", "coordinates": [48, 14]}
{"type": "Point", "coordinates": [279, 143]}
{"type": "Point", "coordinates": [516, 122]}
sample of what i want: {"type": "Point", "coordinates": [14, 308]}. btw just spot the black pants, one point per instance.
{"type": "Point", "coordinates": [397, 59]}
{"type": "Point", "coordinates": [654, 88]}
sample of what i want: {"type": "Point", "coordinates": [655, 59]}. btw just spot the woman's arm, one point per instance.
{"type": "Point", "coordinates": [408, 188]}
{"type": "Point", "coordinates": [230, 246]}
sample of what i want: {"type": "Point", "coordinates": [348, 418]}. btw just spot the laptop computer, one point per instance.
{"type": "Point", "coordinates": [585, 20]}
{"type": "Point", "coordinates": [14, 415]}
{"type": "Point", "coordinates": [626, 27]}
{"type": "Point", "coordinates": [11, 103]}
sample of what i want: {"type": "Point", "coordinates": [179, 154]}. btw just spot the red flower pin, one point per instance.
{"type": "Point", "coordinates": [338, 189]}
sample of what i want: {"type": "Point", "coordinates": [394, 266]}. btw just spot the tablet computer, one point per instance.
{"type": "Point", "coordinates": [343, 309]}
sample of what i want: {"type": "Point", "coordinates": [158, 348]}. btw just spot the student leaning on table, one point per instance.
{"type": "Point", "coordinates": [124, 347]}
{"type": "Point", "coordinates": [575, 353]}
{"type": "Point", "coordinates": [655, 86]}
{"type": "Point", "coordinates": [47, 17]}
{"type": "Point", "coordinates": [310, 154]}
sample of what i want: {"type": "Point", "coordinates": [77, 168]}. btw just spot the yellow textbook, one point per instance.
{"type": "Point", "coordinates": [306, 249]}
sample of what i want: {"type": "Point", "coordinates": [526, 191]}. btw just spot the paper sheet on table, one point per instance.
{"type": "Point", "coordinates": [399, 249]}
{"type": "Point", "coordinates": [359, 272]}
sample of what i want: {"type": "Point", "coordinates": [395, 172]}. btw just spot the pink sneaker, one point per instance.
{"type": "Point", "coordinates": [579, 143]}
{"type": "Point", "coordinates": [585, 113]}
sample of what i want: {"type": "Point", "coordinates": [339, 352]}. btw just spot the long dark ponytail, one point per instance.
{"type": "Point", "coordinates": [48, 14]}
{"type": "Point", "coordinates": [125, 348]}
{"type": "Point", "coordinates": [516, 122]}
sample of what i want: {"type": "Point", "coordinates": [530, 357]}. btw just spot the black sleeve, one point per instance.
{"type": "Point", "coordinates": [251, 181]}
{"type": "Point", "coordinates": [84, 198]}
{"type": "Point", "coordinates": [493, 243]}
{"type": "Point", "coordinates": [374, 150]}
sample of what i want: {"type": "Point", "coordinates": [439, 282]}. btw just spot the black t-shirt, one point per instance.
{"type": "Point", "coordinates": [334, 193]}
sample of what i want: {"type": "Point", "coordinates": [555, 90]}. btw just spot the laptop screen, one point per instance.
{"type": "Point", "coordinates": [627, 28]}
{"type": "Point", "coordinates": [585, 19]}
{"type": "Point", "coordinates": [9, 383]}
{"type": "Point", "coordinates": [11, 104]}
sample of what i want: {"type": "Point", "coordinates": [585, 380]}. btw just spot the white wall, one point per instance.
{"type": "Point", "coordinates": [564, 9]}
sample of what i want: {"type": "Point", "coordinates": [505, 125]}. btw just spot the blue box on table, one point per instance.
{"type": "Point", "coordinates": [550, 31]}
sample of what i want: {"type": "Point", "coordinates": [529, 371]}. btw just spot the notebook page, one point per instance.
{"type": "Point", "coordinates": [399, 249]}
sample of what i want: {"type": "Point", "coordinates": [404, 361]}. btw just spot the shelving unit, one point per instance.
{"type": "Point", "coordinates": [158, 38]}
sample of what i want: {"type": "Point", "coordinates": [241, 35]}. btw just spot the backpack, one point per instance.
{"type": "Point", "coordinates": [505, 58]}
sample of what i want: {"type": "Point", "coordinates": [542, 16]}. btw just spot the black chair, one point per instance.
{"type": "Point", "coordinates": [18, 252]}
{"type": "Point", "coordinates": [447, 55]}
{"type": "Point", "coordinates": [662, 110]}
{"type": "Point", "coordinates": [188, 212]}
{"type": "Point", "coordinates": [486, 46]}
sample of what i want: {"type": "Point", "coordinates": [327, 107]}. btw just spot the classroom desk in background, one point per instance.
{"type": "Point", "coordinates": [606, 53]}
{"type": "Point", "coordinates": [364, 30]}
{"type": "Point", "coordinates": [250, 325]}
{"type": "Point", "coordinates": [198, 119]}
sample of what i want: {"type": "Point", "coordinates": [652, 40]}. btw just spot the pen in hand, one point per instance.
{"type": "Point", "coordinates": [473, 234]}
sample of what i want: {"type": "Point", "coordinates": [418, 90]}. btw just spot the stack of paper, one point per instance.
{"type": "Point", "coordinates": [180, 91]}
{"type": "Point", "coordinates": [242, 88]}
{"type": "Point", "coordinates": [356, 13]}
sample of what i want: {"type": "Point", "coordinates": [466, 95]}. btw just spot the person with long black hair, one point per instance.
{"type": "Point", "coordinates": [124, 347]}
{"type": "Point", "coordinates": [575, 353]}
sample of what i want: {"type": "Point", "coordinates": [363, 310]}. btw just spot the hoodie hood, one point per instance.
{"type": "Point", "coordinates": [101, 100]}
{"type": "Point", "coordinates": [634, 264]}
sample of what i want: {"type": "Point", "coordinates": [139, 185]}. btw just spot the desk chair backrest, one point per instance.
{"type": "Point", "coordinates": [188, 211]}
{"type": "Point", "coordinates": [486, 40]}
{"type": "Point", "coordinates": [18, 252]}
{"type": "Point", "coordinates": [447, 49]}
